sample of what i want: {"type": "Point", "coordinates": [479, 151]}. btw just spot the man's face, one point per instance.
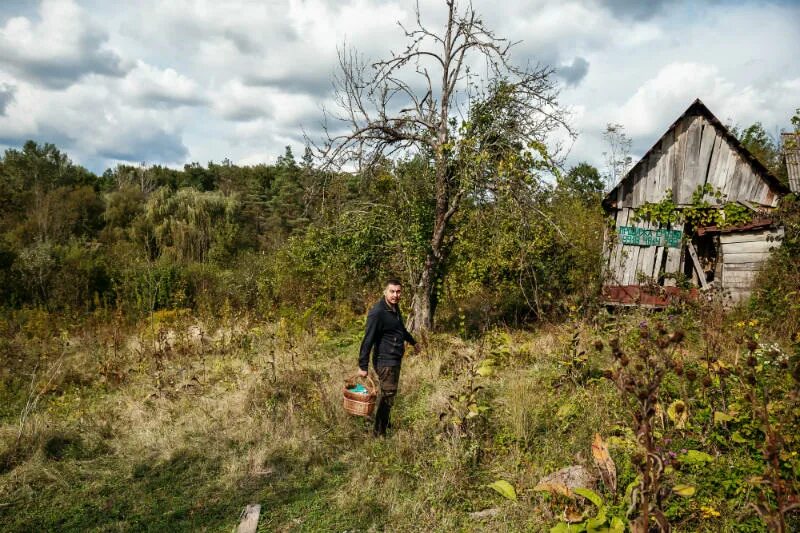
{"type": "Point", "coordinates": [392, 293]}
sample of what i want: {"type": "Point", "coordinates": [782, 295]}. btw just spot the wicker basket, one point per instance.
{"type": "Point", "coordinates": [357, 403]}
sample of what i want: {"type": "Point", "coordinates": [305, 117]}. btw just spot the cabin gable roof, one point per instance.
{"type": "Point", "coordinates": [759, 184]}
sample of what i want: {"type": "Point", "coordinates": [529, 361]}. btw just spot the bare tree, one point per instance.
{"type": "Point", "coordinates": [618, 156]}
{"type": "Point", "coordinates": [414, 103]}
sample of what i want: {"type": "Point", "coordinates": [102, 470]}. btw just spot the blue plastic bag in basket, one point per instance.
{"type": "Point", "coordinates": [358, 389]}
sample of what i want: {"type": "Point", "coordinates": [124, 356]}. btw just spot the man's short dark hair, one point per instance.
{"type": "Point", "coordinates": [393, 281]}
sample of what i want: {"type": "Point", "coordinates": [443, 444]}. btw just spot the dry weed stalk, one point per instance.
{"type": "Point", "coordinates": [639, 378]}
{"type": "Point", "coordinates": [34, 394]}
{"type": "Point", "coordinates": [778, 425]}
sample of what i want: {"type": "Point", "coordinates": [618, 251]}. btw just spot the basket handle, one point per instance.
{"type": "Point", "coordinates": [371, 383]}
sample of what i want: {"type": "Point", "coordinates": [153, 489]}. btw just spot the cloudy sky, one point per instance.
{"type": "Point", "coordinates": [112, 81]}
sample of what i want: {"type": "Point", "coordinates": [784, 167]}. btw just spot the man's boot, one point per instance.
{"type": "Point", "coordinates": [381, 419]}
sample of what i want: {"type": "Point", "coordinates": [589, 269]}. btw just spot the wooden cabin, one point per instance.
{"type": "Point", "coordinates": [649, 262]}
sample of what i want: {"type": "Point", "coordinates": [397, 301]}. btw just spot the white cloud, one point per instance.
{"type": "Point", "coordinates": [726, 57]}
{"type": "Point", "coordinates": [153, 86]}
{"type": "Point", "coordinates": [93, 120]}
{"type": "Point", "coordinates": [169, 82]}
{"type": "Point", "coordinates": [658, 102]}
{"type": "Point", "coordinates": [58, 49]}
{"type": "Point", "coordinates": [239, 102]}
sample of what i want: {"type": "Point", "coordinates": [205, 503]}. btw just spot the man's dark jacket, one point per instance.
{"type": "Point", "coordinates": [387, 334]}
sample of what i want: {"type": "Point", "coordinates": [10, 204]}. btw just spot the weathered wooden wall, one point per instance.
{"type": "Point", "coordinates": [693, 152]}
{"type": "Point", "coordinates": [626, 262]}
{"type": "Point", "coordinates": [743, 256]}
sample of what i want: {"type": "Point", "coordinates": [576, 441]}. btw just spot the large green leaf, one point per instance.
{"type": "Point", "coordinates": [485, 371]}
{"type": "Point", "coordinates": [590, 495]}
{"type": "Point", "coordinates": [598, 523]}
{"type": "Point", "coordinates": [678, 413]}
{"type": "Point", "coordinates": [617, 525]}
{"type": "Point", "coordinates": [566, 410]}
{"type": "Point", "coordinates": [695, 457]}
{"type": "Point", "coordinates": [737, 438]}
{"type": "Point", "coordinates": [563, 527]}
{"type": "Point", "coordinates": [504, 488]}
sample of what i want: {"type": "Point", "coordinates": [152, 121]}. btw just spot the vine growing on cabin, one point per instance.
{"type": "Point", "coordinates": [699, 213]}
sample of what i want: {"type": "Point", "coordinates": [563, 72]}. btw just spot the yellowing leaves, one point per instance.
{"type": "Point", "coordinates": [485, 368]}
{"type": "Point", "coordinates": [678, 413]}
{"type": "Point", "coordinates": [590, 495]}
{"type": "Point", "coordinates": [738, 438]}
{"type": "Point", "coordinates": [608, 470]}
{"type": "Point", "coordinates": [554, 487]}
{"type": "Point", "coordinates": [566, 410]}
{"type": "Point", "coordinates": [685, 491]}
{"type": "Point", "coordinates": [721, 418]}
{"type": "Point", "coordinates": [695, 457]}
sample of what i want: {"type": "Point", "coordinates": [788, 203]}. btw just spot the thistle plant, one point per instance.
{"type": "Point", "coordinates": [638, 375]}
{"type": "Point", "coordinates": [771, 381]}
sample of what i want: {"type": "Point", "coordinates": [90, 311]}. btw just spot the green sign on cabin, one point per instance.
{"type": "Point", "coordinates": [650, 237]}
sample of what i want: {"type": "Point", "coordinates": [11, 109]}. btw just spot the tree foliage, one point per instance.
{"type": "Point", "coordinates": [511, 111]}
{"type": "Point", "coordinates": [764, 147]}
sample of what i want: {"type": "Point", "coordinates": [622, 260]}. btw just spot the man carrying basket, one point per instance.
{"type": "Point", "coordinates": [385, 336]}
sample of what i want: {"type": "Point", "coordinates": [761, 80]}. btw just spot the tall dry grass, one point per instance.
{"type": "Point", "coordinates": [179, 422]}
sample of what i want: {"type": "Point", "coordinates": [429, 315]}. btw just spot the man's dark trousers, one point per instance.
{"type": "Point", "coordinates": [389, 377]}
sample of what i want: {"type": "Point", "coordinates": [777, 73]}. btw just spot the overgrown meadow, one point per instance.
{"type": "Point", "coordinates": [175, 423]}
{"type": "Point", "coordinates": [174, 345]}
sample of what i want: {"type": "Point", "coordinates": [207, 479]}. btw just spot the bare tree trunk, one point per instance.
{"type": "Point", "coordinates": [447, 202]}
{"type": "Point", "coordinates": [422, 310]}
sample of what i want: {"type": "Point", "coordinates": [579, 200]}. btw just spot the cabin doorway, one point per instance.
{"type": "Point", "coordinates": [702, 267]}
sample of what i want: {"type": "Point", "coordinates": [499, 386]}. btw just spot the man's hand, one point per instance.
{"type": "Point", "coordinates": [362, 373]}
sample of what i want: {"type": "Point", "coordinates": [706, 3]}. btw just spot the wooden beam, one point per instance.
{"type": "Point", "coordinates": [749, 247]}
{"type": "Point", "coordinates": [738, 276]}
{"type": "Point", "coordinates": [700, 274]}
{"type": "Point", "coordinates": [745, 258]}
{"type": "Point", "coordinates": [739, 267]}
{"type": "Point", "coordinates": [749, 236]}
{"type": "Point", "coordinates": [249, 519]}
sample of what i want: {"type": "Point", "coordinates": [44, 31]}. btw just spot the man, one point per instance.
{"type": "Point", "coordinates": [385, 336]}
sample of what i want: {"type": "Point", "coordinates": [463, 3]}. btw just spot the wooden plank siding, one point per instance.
{"type": "Point", "coordinates": [744, 255]}
{"type": "Point", "coordinates": [690, 176]}
{"type": "Point", "coordinates": [744, 258]}
{"type": "Point", "coordinates": [707, 143]}
{"type": "Point", "coordinates": [647, 256]}
{"type": "Point", "coordinates": [718, 173]}
{"type": "Point", "coordinates": [749, 247]}
{"type": "Point", "coordinates": [749, 236]}
{"type": "Point", "coordinates": [734, 267]}
{"type": "Point", "coordinates": [674, 260]}
{"type": "Point", "coordinates": [687, 157]}
{"type": "Point", "coordinates": [616, 259]}
{"type": "Point", "coordinates": [678, 154]}
{"type": "Point", "coordinates": [791, 149]}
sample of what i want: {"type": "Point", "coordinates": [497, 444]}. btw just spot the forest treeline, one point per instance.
{"type": "Point", "coordinates": [290, 239]}
{"type": "Point", "coordinates": [284, 238]}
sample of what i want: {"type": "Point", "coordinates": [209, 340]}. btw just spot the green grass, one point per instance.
{"type": "Point", "coordinates": [182, 437]}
